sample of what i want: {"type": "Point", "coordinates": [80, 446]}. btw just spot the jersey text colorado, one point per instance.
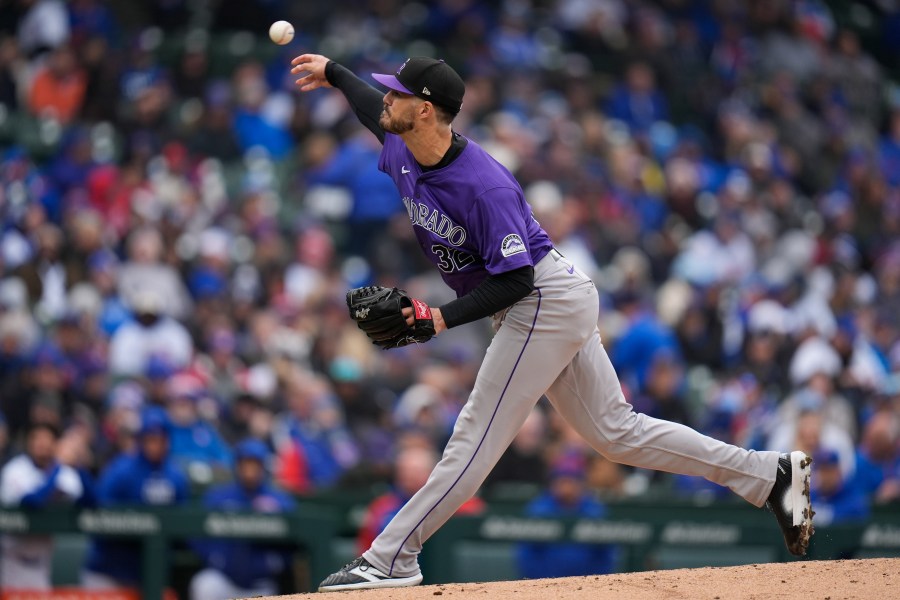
{"type": "Point", "coordinates": [434, 221]}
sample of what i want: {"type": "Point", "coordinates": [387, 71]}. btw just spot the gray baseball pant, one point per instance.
{"type": "Point", "coordinates": [549, 343]}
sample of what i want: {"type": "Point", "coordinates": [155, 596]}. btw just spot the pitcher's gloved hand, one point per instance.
{"type": "Point", "coordinates": [378, 311]}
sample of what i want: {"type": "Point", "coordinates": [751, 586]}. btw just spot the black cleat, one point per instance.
{"type": "Point", "coordinates": [360, 575]}
{"type": "Point", "coordinates": [789, 501]}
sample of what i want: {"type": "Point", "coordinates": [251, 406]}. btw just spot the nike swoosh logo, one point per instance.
{"type": "Point", "coordinates": [571, 270]}
{"type": "Point", "coordinates": [404, 170]}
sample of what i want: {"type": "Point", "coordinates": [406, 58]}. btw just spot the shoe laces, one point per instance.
{"type": "Point", "coordinates": [356, 562]}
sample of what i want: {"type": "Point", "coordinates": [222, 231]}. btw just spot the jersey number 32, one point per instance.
{"type": "Point", "coordinates": [451, 259]}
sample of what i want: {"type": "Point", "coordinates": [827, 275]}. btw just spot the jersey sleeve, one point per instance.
{"type": "Point", "coordinates": [388, 151]}
{"type": "Point", "coordinates": [364, 99]}
{"type": "Point", "coordinates": [500, 230]}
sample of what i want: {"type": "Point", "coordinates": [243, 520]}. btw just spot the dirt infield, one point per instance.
{"type": "Point", "coordinates": [810, 580]}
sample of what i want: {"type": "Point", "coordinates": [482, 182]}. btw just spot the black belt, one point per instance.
{"type": "Point", "coordinates": [556, 254]}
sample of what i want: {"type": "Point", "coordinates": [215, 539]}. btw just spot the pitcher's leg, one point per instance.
{"type": "Point", "coordinates": [588, 395]}
{"type": "Point", "coordinates": [471, 453]}
{"type": "Point", "coordinates": [517, 368]}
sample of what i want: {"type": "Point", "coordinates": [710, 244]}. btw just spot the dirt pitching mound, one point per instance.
{"type": "Point", "coordinates": [820, 580]}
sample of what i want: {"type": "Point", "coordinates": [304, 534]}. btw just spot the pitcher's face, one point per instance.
{"type": "Point", "coordinates": [397, 115]}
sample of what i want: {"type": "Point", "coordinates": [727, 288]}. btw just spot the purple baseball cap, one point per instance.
{"type": "Point", "coordinates": [391, 82]}
{"type": "Point", "coordinates": [429, 79]}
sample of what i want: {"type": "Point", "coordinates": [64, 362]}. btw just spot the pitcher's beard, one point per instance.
{"type": "Point", "coordinates": [395, 126]}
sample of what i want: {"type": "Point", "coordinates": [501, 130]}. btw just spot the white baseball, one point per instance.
{"type": "Point", "coordinates": [281, 32]}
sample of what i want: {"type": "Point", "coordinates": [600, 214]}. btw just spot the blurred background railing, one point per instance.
{"type": "Point", "coordinates": [322, 532]}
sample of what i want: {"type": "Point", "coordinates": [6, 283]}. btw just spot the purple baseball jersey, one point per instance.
{"type": "Point", "coordinates": [470, 217]}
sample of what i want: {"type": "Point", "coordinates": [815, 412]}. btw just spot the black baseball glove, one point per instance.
{"type": "Point", "coordinates": [377, 311]}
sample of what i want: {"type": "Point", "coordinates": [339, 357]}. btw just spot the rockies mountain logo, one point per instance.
{"type": "Point", "coordinates": [512, 244]}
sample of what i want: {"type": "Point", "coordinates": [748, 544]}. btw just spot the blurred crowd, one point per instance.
{"type": "Point", "coordinates": [178, 228]}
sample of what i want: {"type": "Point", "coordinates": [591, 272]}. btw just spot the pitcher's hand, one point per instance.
{"type": "Point", "coordinates": [436, 315]}
{"type": "Point", "coordinates": [314, 67]}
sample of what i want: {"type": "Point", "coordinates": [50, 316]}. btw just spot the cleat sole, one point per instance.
{"type": "Point", "coordinates": [800, 501]}
{"type": "Point", "coordinates": [394, 582]}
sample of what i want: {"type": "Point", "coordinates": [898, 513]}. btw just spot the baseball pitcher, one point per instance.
{"type": "Point", "coordinates": [471, 220]}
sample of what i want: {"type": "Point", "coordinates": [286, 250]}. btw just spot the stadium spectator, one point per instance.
{"type": "Point", "coordinates": [195, 444]}
{"type": "Point", "coordinates": [643, 337]}
{"type": "Point", "coordinates": [812, 432]}
{"type": "Point", "coordinates": [37, 479]}
{"type": "Point", "coordinates": [89, 18]}
{"type": "Point", "coordinates": [700, 329]}
{"type": "Point", "coordinates": [662, 391]}
{"type": "Point", "coordinates": [523, 462]}
{"type": "Point", "coordinates": [312, 434]}
{"type": "Point", "coordinates": [567, 496]}
{"type": "Point", "coordinates": [102, 266]}
{"type": "Point", "coordinates": [192, 71]}
{"type": "Point", "coordinates": [152, 333]}
{"type": "Point", "coordinates": [421, 407]}
{"type": "Point", "coordinates": [121, 422]}
{"type": "Point", "coordinates": [9, 58]}
{"type": "Point", "coordinates": [765, 349]}
{"type": "Point", "coordinates": [304, 278]}
{"type": "Point", "coordinates": [261, 115]}
{"type": "Point", "coordinates": [560, 219]}
{"type": "Point", "coordinates": [214, 137]}
{"type": "Point", "coordinates": [143, 116]}
{"type": "Point", "coordinates": [249, 413]}
{"type": "Point", "coordinates": [208, 279]}
{"type": "Point", "coordinates": [606, 478]}
{"type": "Point", "coordinates": [40, 392]}
{"type": "Point", "coordinates": [145, 477]}
{"type": "Point", "coordinates": [236, 568]}
{"type": "Point", "coordinates": [878, 457]}
{"type": "Point", "coordinates": [724, 252]}
{"type": "Point", "coordinates": [248, 416]}
{"type": "Point", "coordinates": [365, 400]}
{"type": "Point", "coordinates": [833, 496]}
{"type": "Point", "coordinates": [219, 364]}
{"type": "Point", "coordinates": [292, 470]}
{"type": "Point", "coordinates": [44, 26]}
{"type": "Point", "coordinates": [45, 276]}
{"type": "Point", "coordinates": [856, 77]}
{"type": "Point", "coordinates": [637, 102]}
{"type": "Point", "coordinates": [813, 369]}
{"type": "Point", "coordinates": [353, 165]}
{"type": "Point", "coordinates": [145, 270]}
{"type": "Point", "coordinates": [58, 88]}
{"type": "Point", "coordinates": [889, 150]}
